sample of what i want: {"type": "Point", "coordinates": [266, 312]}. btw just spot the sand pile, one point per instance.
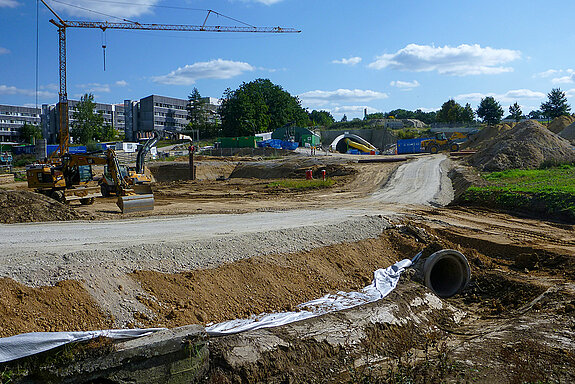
{"type": "Point", "coordinates": [526, 146]}
{"type": "Point", "coordinates": [568, 133]}
{"type": "Point", "coordinates": [482, 138]}
{"type": "Point", "coordinates": [560, 123]}
{"type": "Point", "coordinates": [26, 206]}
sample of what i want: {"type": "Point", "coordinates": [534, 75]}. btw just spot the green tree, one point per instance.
{"type": "Point", "coordinates": [344, 118]}
{"type": "Point", "coordinates": [536, 114]}
{"type": "Point", "coordinates": [261, 106]}
{"type": "Point", "coordinates": [375, 116]}
{"type": "Point", "coordinates": [29, 133]}
{"type": "Point", "coordinates": [489, 111]}
{"type": "Point", "coordinates": [467, 115]}
{"type": "Point", "coordinates": [196, 108]}
{"type": "Point", "coordinates": [516, 112]}
{"type": "Point", "coordinates": [556, 104]}
{"type": "Point", "coordinates": [87, 125]}
{"type": "Point", "coordinates": [322, 118]}
{"type": "Point", "coordinates": [450, 112]}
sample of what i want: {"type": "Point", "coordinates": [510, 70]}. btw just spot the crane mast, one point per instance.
{"type": "Point", "coordinates": [64, 136]}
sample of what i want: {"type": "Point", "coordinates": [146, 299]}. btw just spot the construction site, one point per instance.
{"type": "Point", "coordinates": [235, 243]}
{"type": "Point", "coordinates": [336, 262]}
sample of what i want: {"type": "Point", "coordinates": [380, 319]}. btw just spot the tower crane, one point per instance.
{"type": "Point", "coordinates": [64, 24]}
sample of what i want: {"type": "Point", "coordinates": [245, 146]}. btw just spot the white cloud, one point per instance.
{"type": "Point", "coordinates": [462, 60]}
{"type": "Point", "coordinates": [548, 73]}
{"type": "Point", "coordinates": [405, 85]}
{"type": "Point", "coordinates": [122, 9]}
{"type": "Point", "coordinates": [266, 2]}
{"type": "Point", "coordinates": [11, 90]}
{"type": "Point", "coordinates": [341, 96]}
{"type": "Point", "coordinates": [560, 76]}
{"type": "Point", "coordinates": [508, 97]}
{"type": "Point", "coordinates": [9, 3]}
{"type": "Point", "coordinates": [215, 69]}
{"type": "Point", "coordinates": [351, 61]}
{"type": "Point", "coordinates": [4, 51]}
{"type": "Point", "coordinates": [122, 83]}
{"type": "Point", "coordinates": [94, 87]}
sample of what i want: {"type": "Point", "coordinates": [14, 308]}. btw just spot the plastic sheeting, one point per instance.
{"type": "Point", "coordinates": [27, 344]}
{"type": "Point", "coordinates": [384, 281]}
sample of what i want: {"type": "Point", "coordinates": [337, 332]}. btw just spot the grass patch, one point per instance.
{"type": "Point", "coordinates": [549, 191]}
{"type": "Point", "coordinates": [301, 185]}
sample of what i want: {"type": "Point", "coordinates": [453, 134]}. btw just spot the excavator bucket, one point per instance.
{"type": "Point", "coordinates": [136, 203]}
{"type": "Point", "coordinates": [142, 189]}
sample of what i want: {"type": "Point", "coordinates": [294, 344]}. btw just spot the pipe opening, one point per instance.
{"type": "Point", "coordinates": [446, 272]}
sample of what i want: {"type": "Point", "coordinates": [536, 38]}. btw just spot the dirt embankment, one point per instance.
{"type": "Point", "coordinates": [528, 145]}
{"type": "Point", "coordinates": [26, 206]}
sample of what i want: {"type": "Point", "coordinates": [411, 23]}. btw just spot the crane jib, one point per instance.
{"type": "Point", "coordinates": [175, 27]}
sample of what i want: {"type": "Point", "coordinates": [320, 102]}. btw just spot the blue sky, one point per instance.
{"type": "Point", "coordinates": [379, 55]}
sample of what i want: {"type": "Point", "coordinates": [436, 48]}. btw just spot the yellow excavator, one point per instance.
{"type": "Point", "coordinates": [72, 179]}
{"type": "Point", "coordinates": [135, 177]}
{"type": "Point", "coordinates": [442, 143]}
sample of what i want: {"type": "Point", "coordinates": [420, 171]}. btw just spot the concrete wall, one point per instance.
{"type": "Point", "coordinates": [380, 138]}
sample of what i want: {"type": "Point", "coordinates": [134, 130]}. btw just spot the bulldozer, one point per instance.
{"type": "Point", "coordinates": [72, 179]}
{"type": "Point", "coordinates": [442, 143]}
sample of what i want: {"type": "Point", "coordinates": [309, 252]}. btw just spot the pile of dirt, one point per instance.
{"type": "Point", "coordinates": [568, 133]}
{"type": "Point", "coordinates": [205, 170]}
{"type": "Point", "coordinates": [290, 168]}
{"type": "Point", "coordinates": [482, 138]}
{"type": "Point", "coordinates": [526, 146]}
{"type": "Point", "coordinates": [560, 123]}
{"type": "Point", "coordinates": [26, 206]}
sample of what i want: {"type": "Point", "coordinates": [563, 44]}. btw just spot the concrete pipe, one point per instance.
{"type": "Point", "coordinates": [446, 272]}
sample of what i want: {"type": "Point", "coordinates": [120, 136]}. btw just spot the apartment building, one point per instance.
{"type": "Point", "coordinates": [136, 119]}
{"type": "Point", "coordinates": [12, 118]}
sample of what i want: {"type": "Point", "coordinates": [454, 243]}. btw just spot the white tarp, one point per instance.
{"type": "Point", "coordinates": [384, 281]}
{"type": "Point", "coordinates": [27, 344]}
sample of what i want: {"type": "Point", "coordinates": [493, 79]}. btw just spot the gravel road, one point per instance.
{"type": "Point", "coordinates": [423, 181]}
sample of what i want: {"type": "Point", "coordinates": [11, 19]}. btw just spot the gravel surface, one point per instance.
{"type": "Point", "coordinates": [424, 181]}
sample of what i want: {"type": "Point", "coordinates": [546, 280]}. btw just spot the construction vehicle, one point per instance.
{"type": "Point", "coordinates": [135, 177]}
{"type": "Point", "coordinates": [74, 180]}
{"type": "Point", "coordinates": [442, 143]}
{"type": "Point", "coordinates": [71, 179]}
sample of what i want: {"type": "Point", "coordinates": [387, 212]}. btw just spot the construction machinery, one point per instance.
{"type": "Point", "coordinates": [442, 143]}
{"type": "Point", "coordinates": [135, 177]}
{"type": "Point", "coordinates": [73, 179]}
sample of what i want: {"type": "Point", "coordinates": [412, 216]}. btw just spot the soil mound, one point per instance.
{"type": "Point", "coordinates": [569, 132]}
{"type": "Point", "coordinates": [526, 146]}
{"type": "Point", "coordinates": [26, 206]}
{"type": "Point", "coordinates": [560, 123]}
{"type": "Point", "coordinates": [482, 138]}
{"type": "Point", "coordinates": [289, 168]}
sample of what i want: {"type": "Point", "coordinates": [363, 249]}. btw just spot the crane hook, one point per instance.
{"type": "Point", "coordinates": [104, 46]}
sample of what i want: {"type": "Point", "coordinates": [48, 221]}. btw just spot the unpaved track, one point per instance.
{"type": "Point", "coordinates": [423, 181]}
